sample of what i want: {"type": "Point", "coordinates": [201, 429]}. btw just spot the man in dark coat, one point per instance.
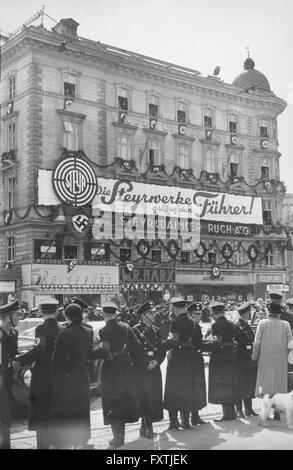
{"type": "Point", "coordinates": [6, 349]}
{"type": "Point", "coordinates": [195, 311]}
{"type": "Point", "coordinates": [119, 395]}
{"type": "Point", "coordinates": [147, 369]}
{"type": "Point", "coordinates": [287, 315]}
{"type": "Point", "coordinates": [223, 368]}
{"type": "Point", "coordinates": [181, 385]}
{"type": "Point", "coordinates": [247, 368]}
{"type": "Point", "coordinates": [40, 392]}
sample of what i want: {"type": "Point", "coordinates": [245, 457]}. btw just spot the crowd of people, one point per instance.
{"type": "Point", "coordinates": [133, 344]}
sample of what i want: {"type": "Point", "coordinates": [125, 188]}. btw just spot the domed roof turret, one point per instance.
{"type": "Point", "coordinates": [251, 77]}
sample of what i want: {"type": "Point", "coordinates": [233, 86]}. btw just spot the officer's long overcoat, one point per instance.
{"type": "Point", "coordinates": [247, 368]}
{"type": "Point", "coordinates": [185, 385]}
{"type": "Point", "coordinates": [224, 387]}
{"type": "Point", "coordinates": [149, 382]}
{"type": "Point", "coordinates": [119, 393]}
{"type": "Point", "coordinates": [70, 407]}
{"type": "Point", "coordinates": [40, 392]}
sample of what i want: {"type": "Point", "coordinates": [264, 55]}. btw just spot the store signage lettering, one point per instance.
{"type": "Point", "coordinates": [226, 229]}
{"type": "Point", "coordinates": [147, 274]}
{"type": "Point", "coordinates": [270, 278]}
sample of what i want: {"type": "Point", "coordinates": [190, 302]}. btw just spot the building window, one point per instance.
{"type": "Point", "coordinates": [155, 152]}
{"type": "Point", "coordinates": [183, 156]}
{"type": "Point", "coordinates": [239, 255]}
{"type": "Point", "coordinates": [70, 135]}
{"type": "Point", "coordinates": [185, 256]}
{"type": "Point", "coordinates": [70, 252]}
{"type": "Point", "coordinates": [153, 110]}
{"type": "Point", "coordinates": [123, 146]}
{"type": "Point", "coordinates": [234, 166]}
{"type": "Point", "coordinates": [11, 192]}
{"type": "Point", "coordinates": [45, 249]}
{"type": "Point", "coordinates": [125, 254]}
{"type": "Point", "coordinates": [269, 257]}
{"type": "Point", "coordinates": [12, 87]}
{"type": "Point", "coordinates": [97, 251]}
{"type": "Point", "coordinates": [11, 136]}
{"type": "Point", "coordinates": [69, 85]}
{"type": "Point", "coordinates": [208, 122]}
{"type": "Point", "coordinates": [275, 131]}
{"type": "Point", "coordinates": [210, 161]}
{"type": "Point", "coordinates": [212, 257]}
{"type": "Point", "coordinates": [10, 249]}
{"type": "Point", "coordinates": [267, 212]}
{"type": "Point", "coordinates": [181, 112]}
{"type": "Point", "coordinates": [263, 128]}
{"type": "Point", "coordinates": [265, 172]}
{"type": "Point", "coordinates": [156, 256]}
{"type": "Point", "coordinates": [123, 103]}
{"type": "Point", "coordinates": [232, 123]}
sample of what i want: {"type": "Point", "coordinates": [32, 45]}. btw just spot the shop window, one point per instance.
{"type": "Point", "coordinates": [185, 256]}
{"type": "Point", "coordinates": [10, 248]}
{"type": "Point", "coordinates": [11, 192]}
{"type": "Point", "coordinates": [123, 103]}
{"type": "Point", "coordinates": [11, 137]}
{"type": "Point", "coordinates": [70, 135]}
{"type": "Point", "coordinates": [156, 256]}
{"type": "Point", "coordinates": [12, 87]}
{"type": "Point", "coordinates": [123, 146]}
{"type": "Point", "coordinates": [267, 212]}
{"type": "Point", "coordinates": [269, 257]}
{"type": "Point", "coordinates": [70, 252]}
{"type": "Point", "coordinates": [183, 156]}
{"type": "Point", "coordinates": [153, 110]}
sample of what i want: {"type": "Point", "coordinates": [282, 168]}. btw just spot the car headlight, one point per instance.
{"type": "Point", "coordinates": [26, 377]}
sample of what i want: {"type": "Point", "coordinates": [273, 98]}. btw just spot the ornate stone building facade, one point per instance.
{"type": "Point", "coordinates": [133, 118]}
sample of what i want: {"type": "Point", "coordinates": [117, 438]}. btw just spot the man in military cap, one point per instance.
{"type": "Point", "coordinates": [7, 313]}
{"type": "Point", "coordinates": [287, 315]}
{"type": "Point", "coordinates": [246, 367]}
{"type": "Point", "coordinates": [181, 381]}
{"type": "Point", "coordinates": [194, 310]}
{"type": "Point", "coordinates": [119, 395]}
{"type": "Point", "coordinates": [147, 369]}
{"type": "Point", "coordinates": [275, 296]}
{"type": "Point", "coordinates": [223, 372]}
{"type": "Point", "coordinates": [40, 392]}
{"type": "Point", "coordinates": [34, 312]}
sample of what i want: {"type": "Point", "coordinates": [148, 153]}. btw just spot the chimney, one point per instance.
{"type": "Point", "coordinates": [66, 27]}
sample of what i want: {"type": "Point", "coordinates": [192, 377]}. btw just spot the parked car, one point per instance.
{"type": "Point", "coordinates": [22, 374]}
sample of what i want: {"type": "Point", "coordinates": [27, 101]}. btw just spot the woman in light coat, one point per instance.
{"type": "Point", "coordinates": [270, 350]}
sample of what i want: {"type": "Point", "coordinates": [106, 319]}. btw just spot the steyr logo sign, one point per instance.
{"type": "Point", "coordinates": [74, 181]}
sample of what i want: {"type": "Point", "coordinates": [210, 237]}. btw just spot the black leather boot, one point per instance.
{"type": "Point", "coordinates": [225, 416]}
{"type": "Point", "coordinates": [142, 427]}
{"type": "Point", "coordinates": [195, 418]}
{"type": "Point", "coordinates": [248, 407]}
{"type": "Point", "coordinates": [174, 423]}
{"type": "Point", "coordinates": [185, 420]}
{"type": "Point", "coordinates": [149, 432]}
{"type": "Point", "coordinates": [239, 412]}
{"type": "Point", "coordinates": [118, 430]}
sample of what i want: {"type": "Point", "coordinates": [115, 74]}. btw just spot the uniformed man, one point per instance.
{"type": "Point", "coordinates": [288, 314]}
{"type": "Point", "coordinates": [223, 372]}
{"type": "Point", "coordinates": [60, 317]}
{"type": "Point", "coordinates": [34, 312]}
{"type": "Point", "coordinates": [40, 392]}
{"type": "Point", "coordinates": [119, 395]}
{"type": "Point", "coordinates": [275, 296]}
{"type": "Point", "coordinates": [195, 312]}
{"type": "Point", "coordinates": [181, 381]}
{"type": "Point", "coordinates": [6, 324]}
{"type": "Point", "coordinates": [147, 369]}
{"type": "Point", "coordinates": [246, 367]}
{"type": "Point", "coordinates": [162, 320]}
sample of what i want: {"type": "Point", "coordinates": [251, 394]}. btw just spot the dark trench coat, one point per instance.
{"type": "Point", "coordinates": [247, 368]}
{"type": "Point", "coordinates": [119, 392]}
{"type": "Point", "coordinates": [149, 382]}
{"type": "Point", "coordinates": [224, 386]}
{"type": "Point", "coordinates": [40, 392]}
{"type": "Point", "coordinates": [185, 380]}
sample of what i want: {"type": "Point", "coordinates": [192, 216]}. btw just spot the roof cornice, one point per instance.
{"type": "Point", "coordinates": [110, 57]}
